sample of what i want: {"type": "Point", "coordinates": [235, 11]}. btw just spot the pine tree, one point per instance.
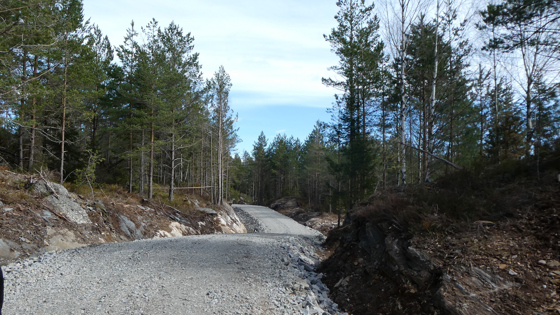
{"type": "Point", "coordinates": [356, 42]}
{"type": "Point", "coordinates": [180, 91]}
{"type": "Point", "coordinates": [128, 55]}
{"type": "Point", "coordinates": [261, 168]}
{"type": "Point", "coordinates": [221, 86]}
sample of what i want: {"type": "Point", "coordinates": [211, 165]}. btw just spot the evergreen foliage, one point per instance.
{"type": "Point", "coordinates": [143, 122]}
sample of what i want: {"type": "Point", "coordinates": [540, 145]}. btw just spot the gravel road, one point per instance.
{"type": "Point", "coordinates": [274, 222]}
{"type": "Point", "coordinates": [258, 273]}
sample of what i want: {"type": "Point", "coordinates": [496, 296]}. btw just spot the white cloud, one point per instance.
{"type": "Point", "coordinates": [274, 51]}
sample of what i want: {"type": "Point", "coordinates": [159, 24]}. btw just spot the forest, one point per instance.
{"type": "Point", "coordinates": [146, 121]}
{"type": "Point", "coordinates": [422, 93]}
{"type": "Point", "coordinates": [423, 89]}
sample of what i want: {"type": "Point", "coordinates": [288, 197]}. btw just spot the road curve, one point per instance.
{"type": "Point", "coordinates": [208, 274]}
{"type": "Point", "coordinates": [275, 222]}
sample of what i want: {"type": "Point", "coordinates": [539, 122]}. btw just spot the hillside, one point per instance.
{"type": "Point", "coordinates": [37, 215]}
{"type": "Point", "coordinates": [485, 242]}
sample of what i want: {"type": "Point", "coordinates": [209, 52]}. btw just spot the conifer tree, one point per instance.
{"type": "Point", "coordinates": [355, 41]}
{"type": "Point", "coordinates": [221, 86]}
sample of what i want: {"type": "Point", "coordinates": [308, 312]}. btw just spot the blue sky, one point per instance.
{"type": "Point", "coordinates": [274, 52]}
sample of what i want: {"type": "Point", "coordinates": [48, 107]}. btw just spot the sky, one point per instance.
{"type": "Point", "coordinates": [274, 52]}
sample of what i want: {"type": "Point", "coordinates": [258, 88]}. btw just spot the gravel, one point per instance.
{"type": "Point", "coordinates": [251, 224]}
{"type": "Point", "coordinates": [258, 273]}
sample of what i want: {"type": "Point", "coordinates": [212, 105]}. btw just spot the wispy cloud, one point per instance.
{"type": "Point", "coordinates": [274, 51]}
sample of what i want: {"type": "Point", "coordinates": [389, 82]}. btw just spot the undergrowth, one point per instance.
{"type": "Point", "coordinates": [479, 194]}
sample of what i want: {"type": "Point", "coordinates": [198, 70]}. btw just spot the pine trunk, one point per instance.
{"type": "Point", "coordinates": [172, 171]}
{"type": "Point", "coordinates": [151, 171]}
{"type": "Point", "coordinates": [64, 91]}
{"type": "Point", "coordinates": [220, 149]}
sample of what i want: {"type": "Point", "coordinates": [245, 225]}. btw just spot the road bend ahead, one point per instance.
{"type": "Point", "coordinates": [274, 222]}
{"type": "Point", "coordinates": [261, 273]}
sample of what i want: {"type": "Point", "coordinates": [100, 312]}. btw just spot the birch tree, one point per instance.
{"type": "Point", "coordinates": [398, 16]}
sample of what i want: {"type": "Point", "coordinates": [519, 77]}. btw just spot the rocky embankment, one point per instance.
{"type": "Point", "coordinates": [378, 267]}
{"type": "Point", "coordinates": [37, 216]}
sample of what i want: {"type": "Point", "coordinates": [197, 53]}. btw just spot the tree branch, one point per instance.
{"type": "Point", "coordinates": [435, 156]}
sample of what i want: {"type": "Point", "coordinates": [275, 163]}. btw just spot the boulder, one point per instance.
{"type": "Point", "coordinates": [45, 188]}
{"type": "Point", "coordinates": [62, 202]}
{"type": "Point", "coordinates": [284, 203]}
{"type": "Point", "coordinates": [61, 239]}
{"type": "Point", "coordinates": [68, 208]}
{"type": "Point", "coordinates": [129, 228]}
{"type": "Point", "coordinates": [8, 250]}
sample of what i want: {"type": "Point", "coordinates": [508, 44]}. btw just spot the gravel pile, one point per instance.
{"type": "Point", "coordinates": [251, 224]}
{"type": "Point", "coordinates": [208, 274]}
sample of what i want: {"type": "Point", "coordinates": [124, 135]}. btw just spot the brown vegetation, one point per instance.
{"type": "Point", "coordinates": [493, 233]}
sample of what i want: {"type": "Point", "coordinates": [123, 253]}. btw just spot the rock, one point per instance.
{"type": "Point", "coordinates": [512, 273]}
{"type": "Point", "coordinates": [61, 239]}
{"type": "Point", "coordinates": [342, 282]}
{"type": "Point", "coordinates": [47, 214]}
{"type": "Point", "coordinates": [229, 221]}
{"type": "Point", "coordinates": [207, 211]}
{"type": "Point", "coordinates": [4, 249]}
{"type": "Point", "coordinates": [389, 259]}
{"type": "Point", "coordinates": [129, 228]}
{"type": "Point", "coordinates": [177, 229]}
{"type": "Point", "coordinates": [553, 264]}
{"type": "Point", "coordinates": [542, 262]}
{"type": "Point", "coordinates": [7, 209]}
{"type": "Point", "coordinates": [284, 203]}
{"type": "Point", "coordinates": [503, 266]}
{"type": "Point", "coordinates": [69, 209]}
{"type": "Point", "coordinates": [43, 188]}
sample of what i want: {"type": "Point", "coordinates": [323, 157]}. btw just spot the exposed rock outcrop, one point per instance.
{"type": "Point", "coordinates": [38, 216]}
{"type": "Point", "coordinates": [228, 220]}
{"type": "Point", "coordinates": [176, 229]}
{"type": "Point", "coordinates": [130, 228]}
{"type": "Point", "coordinates": [62, 202]}
{"type": "Point", "coordinates": [377, 259]}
